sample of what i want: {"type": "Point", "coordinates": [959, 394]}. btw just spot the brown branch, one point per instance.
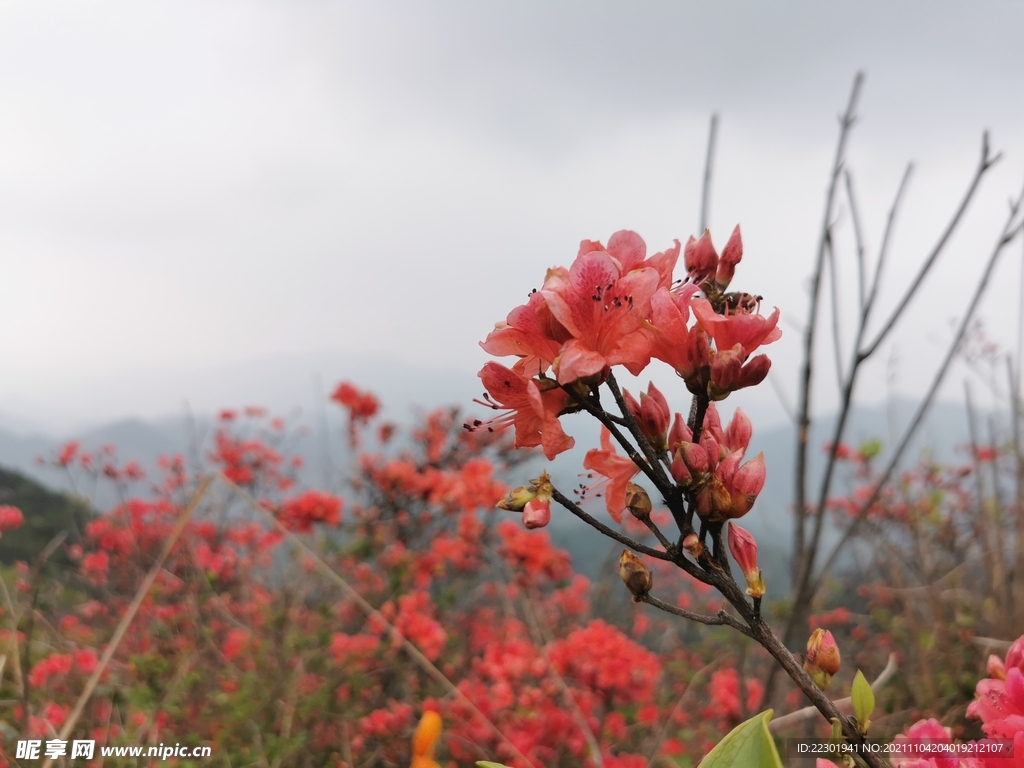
{"type": "Point", "coordinates": [804, 408]}
{"type": "Point", "coordinates": [709, 158]}
{"type": "Point", "coordinates": [1010, 231]}
{"type": "Point", "coordinates": [719, 619]}
{"type": "Point", "coordinates": [986, 162]}
{"type": "Point", "coordinates": [805, 586]}
{"type": "Point", "coordinates": [636, 546]}
{"type": "Point", "coordinates": [833, 279]}
{"type": "Point", "coordinates": [858, 237]}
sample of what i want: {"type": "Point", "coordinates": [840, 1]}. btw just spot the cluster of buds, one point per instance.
{"type": "Point", "coordinates": [635, 576]}
{"type": "Point", "coordinates": [533, 500]}
{"type": "Point", "coordinates": [725, 488]}
{"type": "Point", "coordinates": [822, 659]}
{"type": "Point", "coordinates": [706, 268]}
{"type": "Point", "coordinates": [744, 552]}
{"type": "Point", "coordinates": [652, 415]}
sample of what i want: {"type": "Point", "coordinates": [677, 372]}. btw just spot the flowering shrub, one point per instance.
{"type": "Point", "coordinates": [242, 644]}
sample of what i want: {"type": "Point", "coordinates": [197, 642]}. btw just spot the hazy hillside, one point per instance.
{"type": "Point", "coordinates": [318, 436]}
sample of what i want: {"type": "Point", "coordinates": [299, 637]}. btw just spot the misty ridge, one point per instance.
{"type": "Point", "coordinates": [288, 388]}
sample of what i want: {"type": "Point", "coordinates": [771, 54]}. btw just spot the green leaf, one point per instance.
{"type": "Point", "coordinates": [863, 701]}
{"type": "Point", "coordinates": [489, 764]}
{"type": "Point", "coordinates": [749, 745]}
{"type": "Point", "coordinates": [870, 449]}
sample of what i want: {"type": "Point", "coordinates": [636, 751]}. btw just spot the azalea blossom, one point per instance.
{"type": "Point", "coordinates": [603, 309]}
{"type": "Point", "coordinates": [531, 333]}
{"type": "Point", "coordinates": [672, 341]}
{"type": "Point", "coordinates": [618, 471]}
{"type": "Point", "coordinates": [533, 412]}
{"type": "Point", "coordinates": [748, 330]}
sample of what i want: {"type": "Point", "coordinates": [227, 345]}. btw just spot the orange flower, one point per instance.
{"type": "Point", "coordinates": [424, 739]}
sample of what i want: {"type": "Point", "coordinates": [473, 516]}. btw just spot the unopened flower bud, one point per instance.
{"type": "Point", "coordinates": [995, 668]}
{"type": "Point", "coordinates": [654, 416]}
{"type": "Point", "coordinates": [700, 257]}
{"type": "Point", "coordinates": [638, 502]}
{"type": "Point", "coordinates": [731, 256]}
{"type": "Point", "coordinates": [680, 432]}
{"type": "Point", "coordinates": [744, 552]}
{"type": "Point", "coordinates": [635, 575]}
{"type": "Point", "coordinates": [517, 499]}
{"type": "Point", "coordinates": [537, 513]}
{"type": "Point", "coordinates": [691, 543]}
{"type": "Point", "coordinates": [533, 500]}
{"type": "Point", "coordinates": [822, 660]}
{"type": "Point", "coordinates": [737, 436]}
{"type": "Point", "coordinates": [679, 471]}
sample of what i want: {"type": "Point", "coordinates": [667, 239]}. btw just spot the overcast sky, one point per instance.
{"type": "Point", "coordinates": [185, 186]}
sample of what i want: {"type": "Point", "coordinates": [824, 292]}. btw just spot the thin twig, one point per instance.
{"type": "Point", "coordinates": [833, 279]}
{"type": "Point", "coordinates": [804, 408]}
{"type": "Point", "coordinates": [984, 164]}
{"type": "Point", "coordinates": [1010, 231]}
{"type": "Point", "coordinates": [709, 159]}
{"type": "Point", "coordinates": [610, 532]}
{"type": "Point", "coordinates": [858, 236]}
{"type": "Point", "coordinates": [883, 250]}
{"type": "Point", "coordinates": [691, 687]}
{"type": "Point", "coordinates": [719, 619]}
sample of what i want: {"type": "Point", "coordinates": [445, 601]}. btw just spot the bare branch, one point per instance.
{"type": "Point", "coordinates": [705, 196]}
{"type": "Point", "coordinates": [1010, 230]}
{"type": "Point", "coordinates": [636, 546]}
{"type": "Point", "coordinates": [858, 236]}
{"type": "Point", "coordinates": [883, 250]}
{"type": "Point", "coordinates": [804, 409]}
{"type": "Point", "coordinates": [833, 280]}
{"type": "Point", "coordinates": [984, 164]}
{"type": "Point", "coordinates": [719, 619]}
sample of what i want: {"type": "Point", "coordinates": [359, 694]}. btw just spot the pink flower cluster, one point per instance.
{"type": "Point", "coordinates": [998, 703]}
{"type": "Point", "coordinates": [616, 306]}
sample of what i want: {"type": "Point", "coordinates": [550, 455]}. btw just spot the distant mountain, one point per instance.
{"type": "Point", "coordinates": [47, 514]}
{"type": "Point", "coordinates": [297, 386]}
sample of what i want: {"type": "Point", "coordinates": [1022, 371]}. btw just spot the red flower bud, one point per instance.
{"type": "Point", "coordinates": [744, 552]}
{"type": "Point", "coordinates": [728, 373]}
{"type": "Point", "coordinates": [654, 416]}
{"type": "Point", "coordinates": [680, 472]}
{"type": "Point", "coordinates": [822, 660]}
{"type": "Point", "coordinates": [680, 432]}
{"type": "Point", "coordinates": [638, 502]}
{"type": "Point", "coordinates": [746, 484]}
{"type": "Point", "coordinates": [537, 513]}
{"type": "Point", "coordinates": [651, 413]}
{"type": "Point", "coordinates": [533, 500]}
{"type": "Point", "coordinates": [737, 436]}
{"type": "Point", "coordinates": [700, 257]}
{"type": "Point", "coordinates": [692, 545]}
{"type": "Point", "coordinates": [731, 255]}
{"type": "Point", "coordinates": [635, 576]}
